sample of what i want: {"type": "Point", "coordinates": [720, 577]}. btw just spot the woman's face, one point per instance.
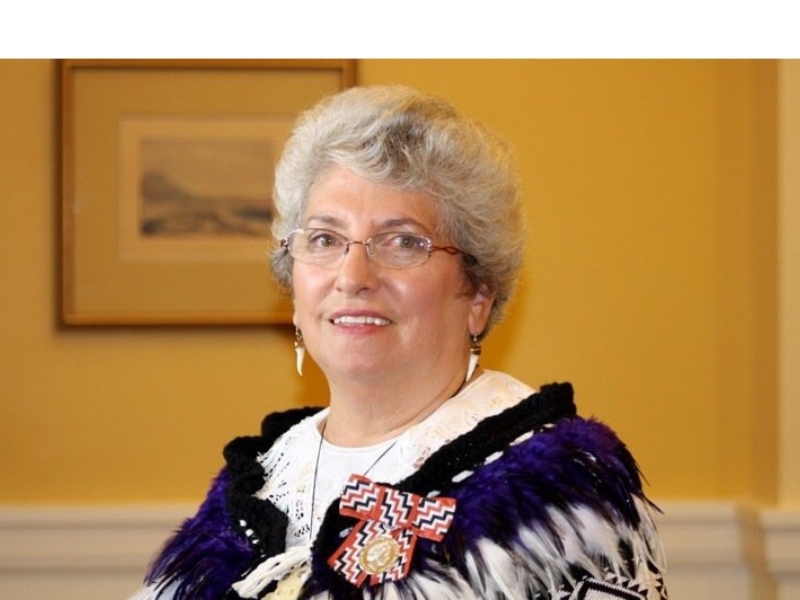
{"type": "Point", "coordinates": [364, 322]}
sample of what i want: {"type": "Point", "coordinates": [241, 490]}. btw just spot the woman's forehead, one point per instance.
{"type": "Point", "coordinates": [342, 198]}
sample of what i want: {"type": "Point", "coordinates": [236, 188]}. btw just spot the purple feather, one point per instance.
{"type": "Point", "coordinates": [577, 463]}
{"type": "Point", "coordinates": [207, 555]}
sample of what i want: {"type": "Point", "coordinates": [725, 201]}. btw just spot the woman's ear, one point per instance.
{"type": "Point", "coordinates": [479, 310]}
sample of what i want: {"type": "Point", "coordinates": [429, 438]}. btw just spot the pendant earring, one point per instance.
{"type": "Point", "coordinates": [474, 355]}
{"type": "Point", "coordinates": [299, 350]}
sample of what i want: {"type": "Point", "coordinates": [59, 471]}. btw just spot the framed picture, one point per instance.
{"type": "Point", "coordinates": [167, 173]}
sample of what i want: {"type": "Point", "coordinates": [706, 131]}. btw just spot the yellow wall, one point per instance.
{"type": "Point", "coordinates": [789, 283]}
{"type": "Point", "coordinates": [650, 284]}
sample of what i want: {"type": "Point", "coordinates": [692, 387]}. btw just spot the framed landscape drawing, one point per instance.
{"type": "Point", "coordinates": [167, 173]}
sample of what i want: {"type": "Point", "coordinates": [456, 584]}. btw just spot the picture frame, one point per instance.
{"type": "Point", "coordinates": [166, 180]}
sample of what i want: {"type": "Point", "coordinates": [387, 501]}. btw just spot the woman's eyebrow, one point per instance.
{"type": "Point", "coordinates": [401, 222]}
{"type": "Point", "coordinates": [382, 225]}
{"type": "Point", "coordinates": [327, 220]}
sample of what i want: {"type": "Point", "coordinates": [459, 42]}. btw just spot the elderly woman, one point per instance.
{"type": "Point", "coordinates": [426, 477]}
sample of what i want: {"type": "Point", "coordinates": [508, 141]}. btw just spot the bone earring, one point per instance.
{"type": "Point", "coordinates": [299, 351]}
{"type": "Point", "coordinates": [474, 356]}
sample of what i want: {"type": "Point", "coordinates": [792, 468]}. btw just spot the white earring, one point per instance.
{"type": "Point", "coordinates": [299, 351]}
{"type": "Point", "coordinates": [474, 356]}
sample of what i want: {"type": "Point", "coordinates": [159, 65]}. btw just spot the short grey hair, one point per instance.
{"type": "Point", "coordinates": [396, 135]}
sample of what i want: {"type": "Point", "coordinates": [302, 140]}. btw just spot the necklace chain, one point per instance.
{"type": "Point", "coordinates": [364, 474]}
{"type": "Point", "coordinates": [316, 471]}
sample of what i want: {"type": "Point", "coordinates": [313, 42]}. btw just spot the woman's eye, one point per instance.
{"type": "Point", "coordinates": [323, 240]}
{"type": "Point", "coordinates": [405, 242]}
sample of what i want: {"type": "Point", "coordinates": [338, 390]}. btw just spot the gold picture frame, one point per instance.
{"type": "Point", "coordinates": [166, 180]}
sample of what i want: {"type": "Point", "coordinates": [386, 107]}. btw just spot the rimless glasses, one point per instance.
{"type": "Point", "coordinates": [399, 250]}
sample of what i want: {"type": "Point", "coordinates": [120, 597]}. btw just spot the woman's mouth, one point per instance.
{"type": "Point", "coordinates": [360, 320]}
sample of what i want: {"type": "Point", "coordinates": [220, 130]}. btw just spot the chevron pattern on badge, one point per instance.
{"type": "Point", "coordinates": [380, 546]}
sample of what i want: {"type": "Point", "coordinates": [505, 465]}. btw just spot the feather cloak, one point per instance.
{"type": "Point", "coordinates": [548, 505]}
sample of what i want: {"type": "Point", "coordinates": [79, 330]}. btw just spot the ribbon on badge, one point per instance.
{"type": "Point", "coordinates": [380, 546]}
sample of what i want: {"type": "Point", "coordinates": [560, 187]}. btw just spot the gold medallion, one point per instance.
{"type": "Point", "coordinates": [379, 555]}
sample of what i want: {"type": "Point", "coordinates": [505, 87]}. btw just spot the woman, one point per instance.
{"type": "Point", "coordinates": [426, 477]}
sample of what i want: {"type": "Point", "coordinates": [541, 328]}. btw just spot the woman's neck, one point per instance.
{"type": "Point", "coordinates": [361, 415]}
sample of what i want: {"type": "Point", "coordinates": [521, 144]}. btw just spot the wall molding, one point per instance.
{"type": "Point", "coordinates": [714, 549]}
{"type": "Point", "coordinates": [781, 529]}
{"type": "Point", "coordinates": [84, 538]}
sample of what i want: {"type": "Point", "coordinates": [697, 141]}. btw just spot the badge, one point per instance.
{"type": "Point", "coordinates": [380, 546]}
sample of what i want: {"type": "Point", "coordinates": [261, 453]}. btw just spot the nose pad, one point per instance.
{"type": "Point", "coordinates": [367, 248]}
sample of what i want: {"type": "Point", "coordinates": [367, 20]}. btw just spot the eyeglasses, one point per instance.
{"type": "Point", "coordinates": [393, 249]}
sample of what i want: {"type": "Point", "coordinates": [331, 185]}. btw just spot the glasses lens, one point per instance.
{"type": "Point", "coordinates": [394, 249]}
{"type": "Point", "coordinates": [318, 246]}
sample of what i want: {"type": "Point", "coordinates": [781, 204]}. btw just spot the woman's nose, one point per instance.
{"type": "Point", "coordinates": [356, 270]}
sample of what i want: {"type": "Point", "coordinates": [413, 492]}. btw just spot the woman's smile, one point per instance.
{"type": "Point", "coordinates": [352, 320]}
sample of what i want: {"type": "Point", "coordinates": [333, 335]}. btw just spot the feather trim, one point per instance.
{"type": "Point", "coordinates": [232, 530]}
{"type": "Point", "coordinates": [206, 555]}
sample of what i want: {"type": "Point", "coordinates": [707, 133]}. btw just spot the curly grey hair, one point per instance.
{"type": "Point", "coordinates": [396, 135]}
